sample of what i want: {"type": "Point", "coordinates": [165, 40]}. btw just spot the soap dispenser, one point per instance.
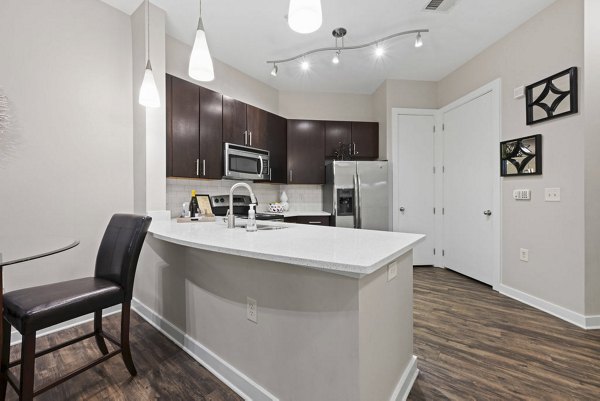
{"type": "Point", "coordinates": [251, 224]}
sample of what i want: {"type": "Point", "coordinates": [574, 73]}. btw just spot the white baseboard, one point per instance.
{"type": "Point", "coordinates": [592, 322]}
{"type": "Point", "coordinates": [585, 322]}
{"type": "Point", "coordinates": [15, 336]}
{"type": "Point", "coordinates": [233, 378]}
{"type": "Point", "coordinates": [406, 382]}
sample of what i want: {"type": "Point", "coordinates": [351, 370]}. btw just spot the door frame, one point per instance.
{"type": "Point", "coordinates": [434, 113]}
{"type": "Point", "coordinates": [494, 87]}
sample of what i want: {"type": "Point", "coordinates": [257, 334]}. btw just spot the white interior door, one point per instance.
{"type": "Point", "coordinates": [416, 182]}
{"type": "Point", "coordinates": [470, 157]}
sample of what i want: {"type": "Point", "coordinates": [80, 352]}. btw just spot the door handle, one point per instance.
{"type": "Point", "coordinates": [291, 175]}
{"type": "Point", "coordinates": [402, 209]}
{"type": "Point", "coordinates": [487, 212]}
{"type": "Point", "coordinates": [246, 137]}
{"type": "Point", "coordinates": [250, 138]}
{"type": "Point", "coordinates": [204, 167]}
{"type": "Point", "coordinates": [197, 167]}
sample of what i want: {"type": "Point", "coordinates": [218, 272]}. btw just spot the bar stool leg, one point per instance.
{"type": "Point", "coordinates": [126, 351]}
{"type": "Point", "coordinates": [98, 332]}
{"type": "Point", "coordinates": [27, 367]}
{"type": "Point", "coordinates": [5, 359]}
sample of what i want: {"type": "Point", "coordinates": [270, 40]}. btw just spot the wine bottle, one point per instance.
{"type": "Point", "coordinates": [194, 207]}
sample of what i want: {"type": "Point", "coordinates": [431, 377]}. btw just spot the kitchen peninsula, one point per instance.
{"type": "Point", "coordinates": [333, 307]}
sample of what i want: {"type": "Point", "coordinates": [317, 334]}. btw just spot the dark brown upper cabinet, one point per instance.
{"type": "Point", "coordinates": [234, 121]}
{"type": "Point", "coordinates": [194, 130]}
{"type": "Point", "coordinates": [306, 152]}
{"type": "Point", "coordinates": [183, 128]}
{"type": "Point", "coordinates": [365, 140]}
{"type": "Point", "coordinates": [257, 126]}
{"type": "Point", "coordinates": [276, 143]}
{"type": "Point", "coordinates": [336, 132]}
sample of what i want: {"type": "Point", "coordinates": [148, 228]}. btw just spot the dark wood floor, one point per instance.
{"type": "Point", "coordinates": [472, 343]}
{"type": "Point", "coordinates": [165, 372]}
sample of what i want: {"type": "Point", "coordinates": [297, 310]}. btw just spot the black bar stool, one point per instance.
{"type": "Point", "coordinates": [36, 308]}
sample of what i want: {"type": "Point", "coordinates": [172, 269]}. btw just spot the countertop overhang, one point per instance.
{"type": "Point", "coordinates": [344, 251]}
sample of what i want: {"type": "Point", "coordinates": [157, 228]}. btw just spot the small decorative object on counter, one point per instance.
{"type": "Point", "coordinates": [284, 201]}
{"type": "Point", "coordinates": [194, 208]}
{"type": "Point", "coordinates": [344, 152]}
{"type": "Point", "coordinates": [185, 210]}
{"type": "Point", "coordinates": [275, 207]}
{"type": "Point", "coordinates": [251, 224]}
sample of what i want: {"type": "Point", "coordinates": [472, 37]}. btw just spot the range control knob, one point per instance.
{"type": "Point", "coordinates": [216, 200]}
{"type": "Point", "coordinates": [222, 200]}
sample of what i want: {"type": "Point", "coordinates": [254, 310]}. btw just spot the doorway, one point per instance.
{"type": "Point", "coordinates": [450, 178]}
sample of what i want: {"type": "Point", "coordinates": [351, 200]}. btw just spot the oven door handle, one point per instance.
{"type": "Point", "coordinates": [261, 165]}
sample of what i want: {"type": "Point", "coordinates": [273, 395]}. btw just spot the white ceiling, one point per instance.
{"type": "Point", "coordinates": [244, 34]}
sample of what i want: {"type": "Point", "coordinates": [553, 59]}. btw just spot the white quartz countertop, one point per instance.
{"type": "Point", "coordinates": [295, 213]}
{"type": "Point", "coordinates": [346, 251]}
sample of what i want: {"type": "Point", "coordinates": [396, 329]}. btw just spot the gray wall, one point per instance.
{"type": "Point", "coordinates": [66, 68]}
{"type": "Point", "coordinates": [592, 161]}
{"type": "Point", "coordinates": [553, 232]}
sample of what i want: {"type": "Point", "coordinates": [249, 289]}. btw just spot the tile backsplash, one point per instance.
{"type": "Point", "coordinates": [300, 197]}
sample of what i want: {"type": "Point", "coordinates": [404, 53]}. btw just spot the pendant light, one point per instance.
{"type": "Point", "coordinates": [148, 92]}
{"type": "Point", "coordinates": [304, 16]}
{"type": "Point", "coordinates": [201, 65]}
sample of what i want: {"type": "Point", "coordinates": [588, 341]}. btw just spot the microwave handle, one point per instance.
{"type": "Point", "coordinates": [261, 161]}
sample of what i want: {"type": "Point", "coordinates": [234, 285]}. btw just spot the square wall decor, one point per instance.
{"type": "Point", "coordinates": [521, 156]}
{"type": "Point", "coordinates": [553, 97]}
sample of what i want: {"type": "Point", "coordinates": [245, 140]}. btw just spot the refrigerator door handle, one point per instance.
{"type": "Point", "coordinates": [356, 211]}
{"type": "Point", "coordinates": [359, 213]}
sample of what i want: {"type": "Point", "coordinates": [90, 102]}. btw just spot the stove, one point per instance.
{"type": "Point", "coordinates": [241, 205]}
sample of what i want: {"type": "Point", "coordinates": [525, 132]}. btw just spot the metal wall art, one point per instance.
{"type": "Point", "coordinates": [553, 97]}
{"type": "Point", "coordinates": [521, 156]}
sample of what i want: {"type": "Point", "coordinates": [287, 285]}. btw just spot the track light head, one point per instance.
{"type": "Point", "coordinates": [305, 65]}
{"type": "Point", "coordinates": [336, 58]}
{"type": "Point", "coordinates": [275, 70]}
{"type": "Point", "coordinates": [418, 40]}
{"type": "Point", "coordinates": [379, 51]}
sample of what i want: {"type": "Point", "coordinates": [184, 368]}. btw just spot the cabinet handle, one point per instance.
{"type": "Point", "coordinates": [204, 167]}
{"type": "Point", "coordinates": [270, 177]}
{"type": "Point", "coordinates": [250, 138]}
{"type": "Point", "coordinates": [354, 151]}
{"type": "Point", "coordinates": [245, 137]}
{"type": "Point", "coordinates": [197, 167]}
{"type": "Point", "coordinates": [315, 222]}
{"type": "Point", "coordinates": [291, 175]}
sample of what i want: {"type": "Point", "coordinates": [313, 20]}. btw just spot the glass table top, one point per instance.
{"type": "Point", "coordinates": [16, 250]}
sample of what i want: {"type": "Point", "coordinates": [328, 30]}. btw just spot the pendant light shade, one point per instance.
{"type": "Point", "coordinates": [201, 65]}
{"type": "Point", "coordinates": [305, 16]}
{"type": "Point", "coordinates": [149, 92]}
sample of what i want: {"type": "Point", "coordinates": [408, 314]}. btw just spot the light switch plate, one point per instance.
{"type": "Point", "coordinates": [552, 194]}
{"type": "Point", "coordinates": [251, 310]}
{"type": "Point", "coordinates": [524, 255]}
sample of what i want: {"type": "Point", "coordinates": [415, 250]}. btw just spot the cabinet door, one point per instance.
{"type": "Point", "coordinates": [185, 138]}
{"type": "Point", "coordinates": [365, 136]}
{"type": "Point", "coordinates": [234, 121]}
{"type": "Point", "coordinates": [211, 134]}
{"type": "Point", "coordinates": [306, 152]}
{"type": "Point", "coordinates": [277, 145]}
{"type": "Point", "coordinates": [257, 125]}
{"type": "Point", "coordinates": [336, 132]}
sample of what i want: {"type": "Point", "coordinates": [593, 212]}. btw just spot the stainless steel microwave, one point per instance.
{"type": "Point", "coordinates": [246, 163]}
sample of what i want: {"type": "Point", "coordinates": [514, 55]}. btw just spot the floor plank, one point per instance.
{"type": "Point", "coordinates": [165, 372]}
{"type": "Point", "coordinates": [474, 344]}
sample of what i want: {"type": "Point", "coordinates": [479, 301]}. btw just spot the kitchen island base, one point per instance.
{"type": "Point", "coordinates": [318, 335]}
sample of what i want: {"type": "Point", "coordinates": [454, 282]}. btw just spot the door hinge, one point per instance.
{"type": "Point", "coordinates": [433, 169]}
{"type": "Point", "coordinates": [443, 127]}
{"type": "Point", "coordinates": [443, 211]}
{"type": "Point", "coordinates": [443, 169]}
{"type": "Point", "coordinates": [433, 210]}
{"type": "Point", "coordinates": [434, 251]}
{"type": "Point", "coordinates": [443, 253]}
{"type": "Point", "coordinates": [434, 129]}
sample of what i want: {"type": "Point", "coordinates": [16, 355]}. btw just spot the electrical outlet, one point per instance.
{"type": "Point", "coordinates": [552, 194]}
{"type": "Point", "coordinates": [251, 310]}
{"type": "Point", "coordinates": [524, 254]}
{"type": "Point", "coordinates": [392, 271]}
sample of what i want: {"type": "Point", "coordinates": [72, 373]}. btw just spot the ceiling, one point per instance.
{"type": "Point", "coordinates": [244, 34]}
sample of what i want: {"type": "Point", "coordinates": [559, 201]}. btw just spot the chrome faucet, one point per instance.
{"type": "Point", "coordinates": [230, 216]}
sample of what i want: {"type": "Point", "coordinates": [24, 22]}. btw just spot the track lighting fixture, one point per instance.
{"type": "Point", "coordinates": [339, 33]}
{"type": "Point", "coordinates": [418, 40]}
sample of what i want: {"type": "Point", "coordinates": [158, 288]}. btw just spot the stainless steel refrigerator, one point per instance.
{"type": "Point", "coordinates": [356, 194]}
